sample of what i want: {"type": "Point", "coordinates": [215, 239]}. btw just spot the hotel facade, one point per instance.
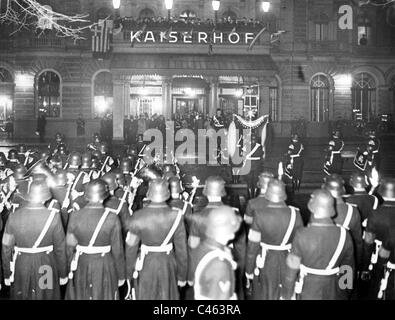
{"type": "Point", "coordinates": [293, 62]}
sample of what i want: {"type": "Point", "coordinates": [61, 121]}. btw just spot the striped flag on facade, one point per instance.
{"type": "Point", "coordinates": [101, 37]}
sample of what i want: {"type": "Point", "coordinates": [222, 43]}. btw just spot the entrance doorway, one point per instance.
{"type": "Point", "coordinates": [185, 107]}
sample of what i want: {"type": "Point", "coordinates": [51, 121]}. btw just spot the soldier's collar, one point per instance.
{"type": "Point", "coordinates": [321, 222]}
{"type": "Point", "coordinates": [94, 205]}
{"type": "Point", "coordinates": [214, 244]}
{"type": "Point", "coordinates": [157, 205]}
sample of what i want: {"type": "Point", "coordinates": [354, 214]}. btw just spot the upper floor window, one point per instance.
{"type": "Point", "coordinates": [103, 94]}
{"type": "Point", "coordinates": [146, 13]}
{"type": "Point", "coordinates": [321, 32]}
{"type": "Point", "coordinates": [5, 76]}
{"type": "Point", "coordinates": [364, 31]}
{"type": "Point", "coordinates": [49, 94]}
{"type": "Point", "coordinates": [274, 112]}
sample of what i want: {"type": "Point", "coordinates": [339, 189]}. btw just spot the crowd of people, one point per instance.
{"type": "Point", "coordinates": [122, 228]}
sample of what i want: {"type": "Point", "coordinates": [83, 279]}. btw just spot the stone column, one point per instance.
{"type": "Point", "coordinates": [166, 97]}
{"type": "Point", "coordinates": [213, 105]}
{"type": "Point", "coordinates": [121, 93]}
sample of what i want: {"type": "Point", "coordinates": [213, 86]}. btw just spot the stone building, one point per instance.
{"type": "Point", "coordinates": [314, 71]}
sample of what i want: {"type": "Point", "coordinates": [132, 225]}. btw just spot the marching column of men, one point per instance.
{"type": "Point", "coordinates": [98, 227]}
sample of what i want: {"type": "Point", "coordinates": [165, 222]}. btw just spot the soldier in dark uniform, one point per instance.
{"type": "Point", "coordinates": [318, 251]}
{"type": "Point", "coordinates": [119, 206]}
{"type": "Point", "coordinates": [379, 223]}
{"type": "Point", "coordinates": [334, 161]}
{"type": "Point", "coordinates": [24, 155]}
{"type": "Point", "coordinates": [214, 190]}
{"type": "Point", "coordinates": [95, 249]}
{"type": "Point", "coordinates": [12, 159]}
{"type": "Point", "coordinates": [176, 200]}
{"type": "Point", "coordinates": [294, 170]}
{"type": "Point", "coordinates": [364, 201]}
{"type": "Point", "coordinates": [33, 238]}
{"type": "Point", "coordinates": [94, 145]}
{"type": "Point", "coordinates": [269, 241]}
{"type": "Point", "coordinates": [213, 266]}
{"type": "Point", "coordinates": [107, 162]}
{"type": "Point", "coordinates": [54, 146]}
{"type": "Point", "coordinates": [361, 160]}
{"type": "Point", "coordinates": [63, 154]}
{"type": "Point", "coordinates": [4, 170]}
{"type": "Point", "coordinates": [61, 191]}
{"type": "Point", "coordinates": [347, 214]}
{"type": "Point", "coordinates": [257, 204]}
{"type": "Point", "coordinates": [159, 232]}
{"type": "Point", "coordinates": [255, 156]}
{"type": "Point", "coordinates": [374, 149]}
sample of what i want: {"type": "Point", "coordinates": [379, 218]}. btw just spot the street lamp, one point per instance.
{"type": "Point", "coordinates": [266, 6]}
{"type": "Point", "coordinates": [169, 6]}
{"type": "Point", "coordinates": [216, 4]}
{"type": "Point", "coordinates": [116, 4]}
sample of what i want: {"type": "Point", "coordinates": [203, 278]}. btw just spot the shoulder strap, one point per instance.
{"type": "Point", "coordinates": [347, 220]}
{"type": "Point", "coordinates": [98, 227]}
{"type": "Point", "coordinates": [173, 228]}
{"type": "Point", "coordinates": [45, 229]}
{"type": "Point", "coordinates": [376, 202]}
{"type": "Point", "coordinates": [339, 249]}
{"type": "Point", "coordinates": [77, 179]}
{"type": "Point", "coordinates": [291, 225]}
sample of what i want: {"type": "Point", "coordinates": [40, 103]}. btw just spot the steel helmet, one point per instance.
{"type": "Point", "coordinates": [126, 165]}
{"type": "Point", "coordinates": [95, 163]}
{"type": "Point", "coordinates": [96, 138]}
{"type": "Point", "coordinates": [149, 173]}
{"type": "Point", "coordinates": [12, 154]}
{"type": "Point", "coordinates": [295, 137]}
{"type": "Point", "coordinates": [61, 177]}
{"type": "Point", "coordinates": [336, 133]}
{"type": "Point", "coordinates": [22, 148]}
{"type": "Point", "coordinates": [168, 167]}
{"type": "Point", "coordinates": [96, 191]}
{"type": "Point", "coordinates": [74, 160]}
{"type": "Point", "coordinates": [387, 188]}
{"type": "Point", "coordinates": [214, 187]}
{"type": "Point", "coordinates": [103, 148]}
{"type": "Point", "coordinates": [158, 191]}
{"type": "Point", "coordinates": [58, 137]}
{"type": "Point", "coordinates": [322, 203]}
{"type": "Point", "coordinates": [276, 191]}
{"type": "Point", "coordinates": [111, 180]}
{"type": "Point", "coordinates": [175, 185]}
{"type": "Point", "coordinates": [62, 149]}
{"type": "Point", "coordinates": [38, 192]}
{"type": "Point", "coordinates": [119, 177]}
{"type": "Point", "coordinates": [335, 185]}
{"type": "Point", "coordinates": [56, 161]}
{"type": "Point", "coordinates": [86, 160]}
{"type": "Point", "coordinates": [358, 181]}
{"type": "Point", "coordinates": [19, 172]}
{"type": "Point", "coordinates": [263, 180]}
{"type": "Point", "coordinates": [220, 221]}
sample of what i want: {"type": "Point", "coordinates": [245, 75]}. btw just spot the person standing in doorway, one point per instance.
{"type": "Point", "coordinates": [41, 124]}
{"type": "Point", "coordinates": [80, 126]}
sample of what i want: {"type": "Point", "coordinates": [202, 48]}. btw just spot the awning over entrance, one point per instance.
{"type": "Point", "coordinates": [170, 64]}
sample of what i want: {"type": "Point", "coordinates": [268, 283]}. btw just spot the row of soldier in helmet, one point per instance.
{"type": "Point", "coordinates": [366, 158]}
{"type": "Point", "coordinates": [154, 237]}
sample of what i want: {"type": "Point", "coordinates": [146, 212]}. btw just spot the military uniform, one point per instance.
{"type": "Point", "coordinates": [387, 260]}
{"type": "Point", "coordinates": [269, 241]}
{"type": "Point", "coordinates": [334, 161]}
{"type": "Point", "coordinates": [159, 265]}
{"type": "Point", "coordinates": [34, 237]}
{"type": "Point", "coordinates": [294, 169]}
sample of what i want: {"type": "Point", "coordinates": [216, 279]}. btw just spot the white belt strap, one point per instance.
{"type": "Point", "coordinates": [35, 248]}
{"type": "Point", "coordinates": [376, 203]}
{"type": "Point", "coordinates": [375, 254]}
{"type": "Point", "coordinates": [85, 249]}
{"type": "Point", "coordinates": [384, 281]}
{"type": "Point", "coordinates": [260, 259]}
{"type": "Point", "coordinates": [347, 220]}
{"type": "Point", "coordinates": [329, 270]}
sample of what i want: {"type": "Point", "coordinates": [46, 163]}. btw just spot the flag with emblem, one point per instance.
{"type": "Point", "coordinates": [101, 38]}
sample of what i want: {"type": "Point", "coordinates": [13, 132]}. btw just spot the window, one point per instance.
{"type": "Point", "coordinates": [188, 14]}
{"type": "Point", "coordinates": [364, 31]}
{"type": "Point", "coordinates": [321, 32]}
{"type": "Point", "coordinates": [229, 15]}
{"type": "Point", "coordinates": [392, 89]}
{"type": "Point", "coordinates": [146, 13]}
{"type": "Point", "coordinates": [5, 76]}
{"type": "Point", "coordinates": [320, 88]}
{"type": "Point", "coordinates": [48, 93]}
{"type": "Point", "coordinates": [103, 94]}
{"type": "Point", "coordinates": [273, 104]}
{"type": "Point", "coordinates": [364, 96]}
